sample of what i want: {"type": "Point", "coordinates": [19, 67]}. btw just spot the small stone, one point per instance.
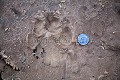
{"type": "Point", "coordinates": [113, 32]}
{"type": "Point", "coordinates": [60, 5]}
{"type": "Point", "coordinates": [24, 12]}
{"type": "Point", "coordinates": [103, 5]}
{"type": "Point", "coordinates": [101, 76]}
{"type": "Point", "coordinates": [62, 1]}
{"type": "Point", "coordinates": [43, 11]}
{"type": "Point", "coordinates": [32, 1]}
{"type": "Point", "coordinates": [6, 29]}
{"type": "Point", "coordinates": [33, 21]}
{"type": "Point", "coordinates": [58, 12]}
{"type": "Point", "coordinates": [106, 72]}
{"type": "Point", "coordinates": [102, 47]}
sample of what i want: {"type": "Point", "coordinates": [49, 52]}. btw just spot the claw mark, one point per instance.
{"type": "Point", "coordinates": [8, 61]}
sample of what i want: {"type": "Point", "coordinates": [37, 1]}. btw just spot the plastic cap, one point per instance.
{"type": "Point", "coordinates": [83, 39]}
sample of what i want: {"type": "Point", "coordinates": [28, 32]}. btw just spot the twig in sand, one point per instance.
{"type": "Point", "coordinates": [8, 61]}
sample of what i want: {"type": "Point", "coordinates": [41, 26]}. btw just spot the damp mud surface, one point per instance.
{"type": "Point", "coordinates": [38, 40]}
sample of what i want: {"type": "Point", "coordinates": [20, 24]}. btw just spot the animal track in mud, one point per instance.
{"type": "Point", "coordinates": [31, 41]}
{"type": "Point", "coordinates": [67, 35]}
{"type": "Point", "coordinates": [50, 23]}
{"type": "Point", "coordinates": [55, 34]}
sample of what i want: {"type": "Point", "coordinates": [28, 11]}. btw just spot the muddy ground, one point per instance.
{"type": "Point", "coordinates": [38, 39]}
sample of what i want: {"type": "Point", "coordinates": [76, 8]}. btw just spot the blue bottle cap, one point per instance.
{"type": "Point", "coordinates": [83, 39]}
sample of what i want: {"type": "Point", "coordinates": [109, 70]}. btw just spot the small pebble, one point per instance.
{"type": "Point", "coordinates": [62, 1]}
{"type": "Point", "coordinates": [32, 1]}
{"type": "Point", "coordinates": [60, 5]}
{"type": "Point", "coordinates": [24, 12]}
{"type": "Point", "coordinates": [100, 76]}
{"type": "Point", "coordinates": [103, 5]}
{"type": "Point", "coordinates": [106, 72]}
{"type": "Point", "coordinates": [6, 29]}
{"type": "Point", "coordinates": [113, 32]}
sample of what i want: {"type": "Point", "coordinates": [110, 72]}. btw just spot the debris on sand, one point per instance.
{"type": "Point", "coordinates": [35, 53]}
{"type": "Point", "coordinates": [43, 53]}
{"type": "Point", "coordinates": [8, 61]}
